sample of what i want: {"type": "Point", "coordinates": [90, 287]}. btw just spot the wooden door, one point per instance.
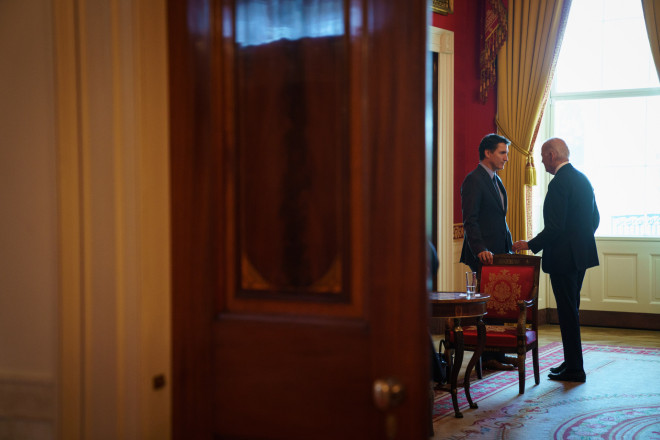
{"type": "Point", "coordinates": [299, 254]}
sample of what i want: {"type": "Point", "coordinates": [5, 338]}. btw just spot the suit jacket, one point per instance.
{"type": "Point", "coordinates": [484, 217]}
{"type": "Point", "coordinates": [571, 218]}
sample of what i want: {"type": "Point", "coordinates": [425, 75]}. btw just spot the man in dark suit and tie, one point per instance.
{"type": "Point", "coordinates": [485, 232]}
{"type": "Point", "coordinates": [571, 218]}
{"type": "Point", "coordinates": [484, 204]}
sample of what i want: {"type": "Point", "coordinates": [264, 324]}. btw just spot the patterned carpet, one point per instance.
{"type": "Point", "coordinates": [620, 400]}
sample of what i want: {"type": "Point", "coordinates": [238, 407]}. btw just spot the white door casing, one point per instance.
{"type": "Point", "coordinates": [442, 42]}
{"type": "Point", "coordinates": [114, 317]}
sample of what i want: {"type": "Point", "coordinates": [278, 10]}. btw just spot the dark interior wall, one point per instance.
{"type": "Point", "coordinates": [472, 119]}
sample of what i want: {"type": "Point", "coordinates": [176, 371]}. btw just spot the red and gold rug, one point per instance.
{"type": "Point", "coordinates": [620, 400]}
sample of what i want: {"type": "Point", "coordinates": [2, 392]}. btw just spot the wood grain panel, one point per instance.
{"type": "Point", "coordinates": [291, 195]}
{"type": "Point", "coordinates": [195, 220]}
{"type": "Point", "coordinates": [284, 85]}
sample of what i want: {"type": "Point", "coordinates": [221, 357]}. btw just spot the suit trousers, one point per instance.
{"type": "Point", "coordinates": [566, 287]}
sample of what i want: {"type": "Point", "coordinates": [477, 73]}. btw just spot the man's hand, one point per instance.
{"type": "Point", "coordinates": [520, 246]}
{"type": "Point", "coordinates": [486, 257]}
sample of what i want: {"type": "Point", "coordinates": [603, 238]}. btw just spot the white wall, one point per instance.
{"type": "Point", "coordinates": [28, 221]}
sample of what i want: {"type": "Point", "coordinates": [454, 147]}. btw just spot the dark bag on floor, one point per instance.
{"type": "Point", "coordinates": [439, 365]}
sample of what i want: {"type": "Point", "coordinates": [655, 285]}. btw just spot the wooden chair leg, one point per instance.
{"type": "Point", "coordinates": [479, 372]}
{"type": "Point", "coordinates": [449, 358]}
{"type": "Point", "coordinates": [535, 362]}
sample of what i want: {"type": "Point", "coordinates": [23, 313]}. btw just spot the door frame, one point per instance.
{"type": "Point", "coordinates": [113, 200]}
{"type": "Point", "coordinates": [441, 41]}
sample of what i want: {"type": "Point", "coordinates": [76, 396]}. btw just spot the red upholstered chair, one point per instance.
{"type": "Point", "coordinates": [512, 282]}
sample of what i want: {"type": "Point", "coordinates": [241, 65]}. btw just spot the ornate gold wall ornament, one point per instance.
{"type": "Point", "coordinates": [443, 7]}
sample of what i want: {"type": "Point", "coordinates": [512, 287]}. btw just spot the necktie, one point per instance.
{"type": "Point", "coordinates": [497, 189]}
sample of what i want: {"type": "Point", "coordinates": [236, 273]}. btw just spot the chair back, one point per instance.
{"type": "Point", "coordinates": [509, 279]}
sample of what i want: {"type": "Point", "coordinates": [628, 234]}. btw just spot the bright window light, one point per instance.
{"type": "Point", "coordinates": [605, 102]}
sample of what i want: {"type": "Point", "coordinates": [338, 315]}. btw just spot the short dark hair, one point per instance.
{"type": "Point", "coordinates": [490, 142]}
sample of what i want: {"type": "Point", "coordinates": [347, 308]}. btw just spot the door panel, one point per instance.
{"type": "Point", "coordinates": [292, 173]}
{"type": "Point", "coordinates": [299, 255]}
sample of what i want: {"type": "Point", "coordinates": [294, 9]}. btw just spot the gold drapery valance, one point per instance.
{"type": "Point", "coordinates": [492, 38]}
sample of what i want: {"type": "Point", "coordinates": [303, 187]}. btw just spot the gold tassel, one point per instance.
{"type": "Point", "coordinates": [530, 172]}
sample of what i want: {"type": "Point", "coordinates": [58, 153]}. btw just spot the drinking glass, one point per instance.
{"type": "Point", "coordinates": [470, 284]}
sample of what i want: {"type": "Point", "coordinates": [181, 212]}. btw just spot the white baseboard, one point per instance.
{"type": "Point", "coordinates": [27, 407]}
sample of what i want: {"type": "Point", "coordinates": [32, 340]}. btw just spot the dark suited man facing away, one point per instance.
{"type": "Point", "coordinates": [571, 218]}
{"type": "Point", "coordinates": [484, 203]}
